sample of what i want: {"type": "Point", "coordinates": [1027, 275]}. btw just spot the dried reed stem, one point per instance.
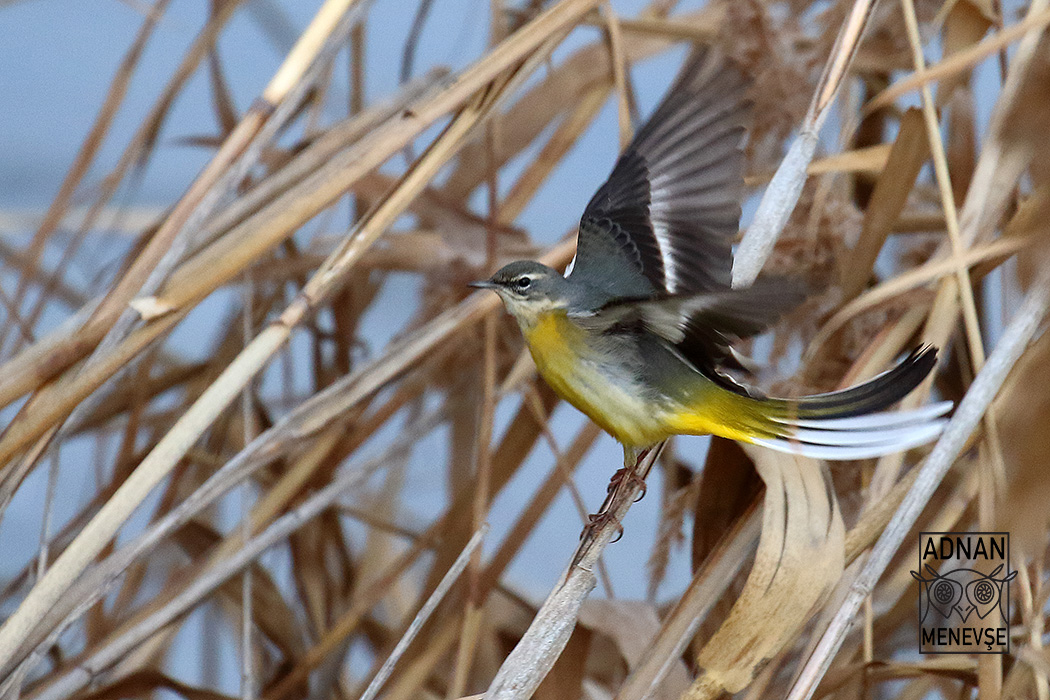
{"type": "Point", "coordinates": [965, 420]}
{"type": "Point", "coordinates": [535, 653]}
{"type": "Point", "coordinates": [783, 191]}
{"type": "Point", "coordinates": [424, 614]}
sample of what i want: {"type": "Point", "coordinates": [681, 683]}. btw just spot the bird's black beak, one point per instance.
{"type": "Point", "coordinates": [483, 284]}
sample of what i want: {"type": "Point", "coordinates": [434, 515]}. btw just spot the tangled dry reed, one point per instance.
{"type": "Point", "coordinates": [913, 223]}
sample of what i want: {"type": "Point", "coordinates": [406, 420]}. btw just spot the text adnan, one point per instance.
{"type": "Point", "coordinates": [966, 547]}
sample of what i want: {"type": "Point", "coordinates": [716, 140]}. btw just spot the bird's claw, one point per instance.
{"type": "Point", "coordinates": [597, 520]}
{"type": "Point", "coordinates": [631, 477]}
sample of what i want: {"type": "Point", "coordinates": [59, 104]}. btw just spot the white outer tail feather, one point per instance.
{"type": "Point", "coordinates": [860, 437]}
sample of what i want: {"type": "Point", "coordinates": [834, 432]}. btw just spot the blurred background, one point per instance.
{"type": "Point", "coordinates": [59, 62]}
{"type": "Point", "coordinates": [111, 109]}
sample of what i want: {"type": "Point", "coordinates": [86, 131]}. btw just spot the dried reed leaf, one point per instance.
{"type": "Point", "coordinates": [631, 625]}
{"type": "Point", "coordinates": [799, 559]}
{"type": "Point", "coordinates": [565, 681]}
{"type": "Point", "coordinates": [225, 389]}
{"type": "Point", "coordinates": [964, 26]}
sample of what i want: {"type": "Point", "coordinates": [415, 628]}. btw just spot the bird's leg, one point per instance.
{"type": "Point", "coordinates": [599, 519]}
{"type": "Point", "coordinates": [623, 480]}
{"type": "Point", "coordinates": [632, 456]}
{"type": "Point", "coordinates": [627, 475]}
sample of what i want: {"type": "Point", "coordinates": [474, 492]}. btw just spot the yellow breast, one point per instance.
{"type": "Point", "coordinates": [613, 398]}
{"type": "Point", "coordinates": [581, 376]}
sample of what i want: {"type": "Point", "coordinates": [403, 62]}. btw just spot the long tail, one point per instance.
{"type": "Point", "coordinates": [850, 424]}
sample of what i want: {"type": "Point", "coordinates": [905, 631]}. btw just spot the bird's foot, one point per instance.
{"type": "Point", "coordinates": [596, 521]}
{"type": "Point", "coordinates": [630, 476]}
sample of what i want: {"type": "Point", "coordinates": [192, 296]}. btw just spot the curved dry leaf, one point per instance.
{"type": "Point", "coordinates": [799, 560]}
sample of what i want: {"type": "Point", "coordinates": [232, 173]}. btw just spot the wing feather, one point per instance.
{"type": "Point", "coordinates": [664, 221]}
{"type": "Point", "coordinates": [702, 327]}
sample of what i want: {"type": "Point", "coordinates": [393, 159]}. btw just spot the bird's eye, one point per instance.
{"type": "Point", "coordinates": [523, 282]}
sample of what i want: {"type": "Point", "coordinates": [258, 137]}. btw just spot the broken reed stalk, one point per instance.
{"type": "Point", "coordinates": [964, 421]}
{"type": "Point", "coordinates": [535, 653]}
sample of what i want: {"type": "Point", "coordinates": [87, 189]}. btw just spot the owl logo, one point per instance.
{"type": "Point", "coordinates": [963, 592]}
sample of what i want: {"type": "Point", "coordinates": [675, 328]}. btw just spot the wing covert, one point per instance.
{"type": "Point", "coordinates": [703, 327]}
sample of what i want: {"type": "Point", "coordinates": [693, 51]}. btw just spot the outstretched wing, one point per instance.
{"type": "Point", "coordinates": [664, 221]}
{"type": "Point", "coordinates": [702, 327]}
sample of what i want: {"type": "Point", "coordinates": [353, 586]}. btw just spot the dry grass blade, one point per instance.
{"type": "Point", "coordinates": [423, 615]}
{"type": "Point", "coordinates": [933, 271]}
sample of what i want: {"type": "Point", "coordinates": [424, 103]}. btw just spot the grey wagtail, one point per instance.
{"type": "Point", "coordinates": [637, 333]}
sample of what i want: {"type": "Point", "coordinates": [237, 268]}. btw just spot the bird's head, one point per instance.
{"type": "Point", "coordinates": [528, 289]}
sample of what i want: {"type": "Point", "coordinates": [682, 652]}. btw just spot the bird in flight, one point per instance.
{"type": "Point", "coordinates": [637, 335]}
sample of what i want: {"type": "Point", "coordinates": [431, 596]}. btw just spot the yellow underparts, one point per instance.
{"type": "Point", "coordinates": [575, 371]}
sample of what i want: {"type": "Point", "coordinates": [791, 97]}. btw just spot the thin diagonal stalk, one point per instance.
{"type": "Point", "coordinates": [535, 653]}
{"type": "Point", "coordinates": [424, 614]}
{"type": "Point", "coordinates": [783, 191]}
